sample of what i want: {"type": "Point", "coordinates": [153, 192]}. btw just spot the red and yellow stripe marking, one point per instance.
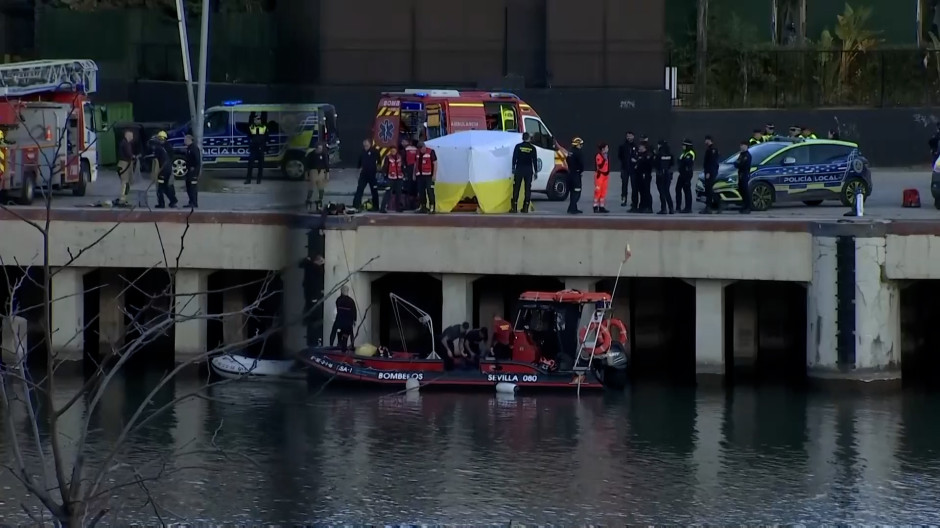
{"type": "Point", "coordinates": [388, 111]}
{"type": "Point", "coordinates": [3, 160]}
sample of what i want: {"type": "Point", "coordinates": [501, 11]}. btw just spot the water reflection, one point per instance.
{"type": "Point", "coordinates": [275, 453]}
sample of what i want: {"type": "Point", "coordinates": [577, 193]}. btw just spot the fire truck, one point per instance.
{"type": "Point", "coordinates": [430, 114]}
{"type": "Point", "coordinates": [48, 123]}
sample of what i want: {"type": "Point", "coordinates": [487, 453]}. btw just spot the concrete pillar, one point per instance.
{"type": "Point", "coordinates": [457, 294]}
{"type": "Point", "coordinates": [292, 310]}
{"type": "Point", "coordinates": [709, 327]}
{"type": "Point", "coordinates": [877, 312]}
{"type": "Point", "coordinates": [111, 325]}
{"type": "Point", "coordinates": [233, 318]}
{"type": "Point", "coordinates": [490, 305]}
{"type": "Point", "coordinates": [191, 309]}
{"type": "Point", "coordinates": [821, 313]}
{"type": "Point", "coordinates": [583, 284]}
{"type": "Point", "coordinates": [745, 338]}
{"type": "Point", "coordinates": [68, 313]}
{"type": "Point", "coordinates": [15, 346]}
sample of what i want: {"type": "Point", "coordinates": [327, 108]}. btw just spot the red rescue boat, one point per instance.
{"type": "Point", "coordinates": [558, 340]}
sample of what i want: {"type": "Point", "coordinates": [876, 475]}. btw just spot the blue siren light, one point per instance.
{"type": "Point", "coordinates": [232, 103]}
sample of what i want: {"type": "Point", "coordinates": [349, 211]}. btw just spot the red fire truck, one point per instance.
{"type": "Point", "coordinates": [48, 123]}
{"type": "Point", "coordinates": [430, 114]}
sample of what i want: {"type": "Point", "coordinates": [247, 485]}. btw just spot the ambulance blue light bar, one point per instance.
{"type": "Point", "coordinates": [232, 103]}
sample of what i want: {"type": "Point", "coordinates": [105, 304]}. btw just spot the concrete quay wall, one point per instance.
{"type": "Point", "coordinates": [852, 273]}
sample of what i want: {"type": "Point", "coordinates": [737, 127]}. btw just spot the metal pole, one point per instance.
{"type": "Point", "coordinates": [187, 64]}
{"type": "Point", "coordinates": [203, 65]}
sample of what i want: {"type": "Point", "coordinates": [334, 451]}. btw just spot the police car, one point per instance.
{"type": "Point", "coordinates": [795, 170]}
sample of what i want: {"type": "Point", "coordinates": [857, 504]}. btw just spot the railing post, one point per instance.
{"type": "Point", "coordinates": [882, 54]}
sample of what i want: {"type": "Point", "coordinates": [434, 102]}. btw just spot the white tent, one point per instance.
{"type": "Point", "coordinates": [475, 163]}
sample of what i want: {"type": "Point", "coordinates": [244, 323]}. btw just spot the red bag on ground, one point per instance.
{"type": "Point", "coordinates": [911, 198]}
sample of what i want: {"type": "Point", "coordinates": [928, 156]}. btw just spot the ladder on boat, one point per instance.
{"type": "Point", "coordinates": [582, 365]}
{"type": "Point", "coordinates": [20, 79]}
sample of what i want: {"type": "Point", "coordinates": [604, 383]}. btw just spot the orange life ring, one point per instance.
{"type": "Point", "coordinates": [618, 325]}
{"type": "Point", "coordinates": [603, 339]}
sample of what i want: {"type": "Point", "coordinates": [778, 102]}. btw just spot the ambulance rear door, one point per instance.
{"type": "Point", "coordinates": [387, 125]}
{"type": "Point", "coordinates": [463, 115]}
{"type": "Point", "coordinates": [437, 120]}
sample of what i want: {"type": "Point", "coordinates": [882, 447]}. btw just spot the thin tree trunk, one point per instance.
{"type": "Point", "coordinates": [701, 47]}
{"type": "Point", "coordinates": [801, 22]}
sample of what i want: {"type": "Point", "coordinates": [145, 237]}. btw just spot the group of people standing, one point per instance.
{"type": "Point", "coordinates": [639, 161]}
{"type": "Point", "coordinates": [411, 173]}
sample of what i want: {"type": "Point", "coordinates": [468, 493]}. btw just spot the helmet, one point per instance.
{"type": "Point", "coordinates": [161, 135]}
{"type": "Point", "coordinates": [577, 142]}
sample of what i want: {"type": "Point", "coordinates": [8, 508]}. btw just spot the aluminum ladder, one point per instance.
{"type": "Point", "coordinates": [20, 79]}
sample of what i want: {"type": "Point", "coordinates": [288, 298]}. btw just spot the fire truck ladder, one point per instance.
{"type": "Point", "coordinates": [20, 79]}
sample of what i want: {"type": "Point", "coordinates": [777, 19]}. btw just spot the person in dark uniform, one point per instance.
{"type": "Point", "coordinates": [710, 162]}
{"type": "Point", "coordinates": [664, 164]}
{"type": "Point", "coordinates": [796, 131]}
{"type": "Point", "coordinates": [257, 142]}
{"type": "Point", "coordinates": [575, 170]}
{"type": "Point", "coordinates": [425, 175]}
{"type": "Point", "coordinates": [164, 167]}
{"type": "Point", "coordinates": [644, 171]}
{"type": "Point", "coordinates": [807, 133]}
{"type": "Point", "coordinates": [368, 166]}
{"type": "Point", "coordinates": [756, 138]}
{"type": "Point", "coordinates": [525, 166]}
{"type": "Point", "coordinates": [475, 345]}
{"type": "Point", "coordinates": [344, 322]}
{"type": "Point", "coordinates": [684, 183]}
{"type": "Point", "coordinates": [934, 144]}
{"type": "Point", "coordinates": [452, 340]}
{"type": "Point", "coordinates": [626, 153]}
{"type": "Point", "coordinates": [193, 168]}
{"type": "Point", "coordinates": [317, 165]}
{"type": "Point", "coordinates": [743, 164]}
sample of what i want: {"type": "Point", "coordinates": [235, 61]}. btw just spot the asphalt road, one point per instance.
{"type": "Point", "coordinates": [227, 192]}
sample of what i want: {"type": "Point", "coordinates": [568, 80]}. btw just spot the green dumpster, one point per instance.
{"type": "Point", "coordinates": [105, 116]}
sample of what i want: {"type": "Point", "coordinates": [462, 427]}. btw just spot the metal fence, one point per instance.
{"type": "Point", "coordinates": [787, 78]}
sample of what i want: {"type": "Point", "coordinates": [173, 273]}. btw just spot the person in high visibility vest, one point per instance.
{"type": "Point", "coordinates": [756, 138]}
{"type": "Point", "coordinates": [808, 133]}
{"type": "Point", "coordinates": [257, 141]}
{"type": "Point", "coordinates": [684, 183]}
{"type": "Point", "coordinates": [395, 171]}
{"type": "Point", "coordinates": [164, 172]}
{"type": "Point", "coordinates": [601, 178]}
{"type": "Point", "coordinates": [768, 132]}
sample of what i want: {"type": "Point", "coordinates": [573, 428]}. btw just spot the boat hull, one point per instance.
{"type": "Point", "coordinates": [336, 367]}
{"type": "Point", "coordinates": [232, 366]}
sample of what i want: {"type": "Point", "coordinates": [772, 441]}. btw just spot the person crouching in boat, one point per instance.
{"type": "Point", "coordinates": [475, 345]}
{"type": "Point", "coordinates": [502, 339]}
{"type": "Point", "coordinates": [345, 319]}
{"type": "Point", "coordinates": [452, 340]}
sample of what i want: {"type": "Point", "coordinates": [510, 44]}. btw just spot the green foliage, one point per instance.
{"type": "Point", "coordinates": [842, 68]}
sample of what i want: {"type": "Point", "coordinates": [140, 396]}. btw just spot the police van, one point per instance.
{"type": "Point", "coordinates": [293, 130]}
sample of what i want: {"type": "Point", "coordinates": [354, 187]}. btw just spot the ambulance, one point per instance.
{"type": "Point", "coordinates": [430, 114]}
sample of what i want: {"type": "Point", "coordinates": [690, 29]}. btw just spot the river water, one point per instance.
{"type": "Point", "coordinates": [292, 454]}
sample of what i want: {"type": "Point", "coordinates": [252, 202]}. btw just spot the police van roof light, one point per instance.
{"type": "Point", "coordinates": [232, 103]}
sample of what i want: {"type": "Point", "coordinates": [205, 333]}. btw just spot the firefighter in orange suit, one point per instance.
{"type": "Point", "coordinates": [601, 177]}
{"type": "Point", "coordinates": [394, 169]}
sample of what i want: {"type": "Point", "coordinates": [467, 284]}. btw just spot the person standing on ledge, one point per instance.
{"type": "Point", "coordinates": [743, 164]}
{"type": "Point", "coordinates": [425, 173]}
{"type": "Point", "coordinates": [193, 167]}
{"type": "Point", "coordinates": [368, 166]}
{"type": "Point", "coordinates": [125, 166]}
{"type": "Point", "coordinates": [257, 142]}
{"type": "Point", "coordinates": [318, 174]}
{"type": "Point", "coordinates": [627, 156]}
{"type": "Point", "coordinates": [345, 320]}
{"type": "Point", "coordinates": [711, 174]}
{"type": "Point", "coordinates": [164, 171]}
{"type": "Point", "coordinates": [394, 169]}
{"type": "Point", "coordinates": [664, 164]}
{"type": "Point", "coordinates": [684, 183]}
{"type": "Point", "coordinates": [601, 178]}
{"type": "Point", "coordinates": [644, 169]}
{"type": "Point", "coordinates": [525, 166]}
{"type": "Point", "coordinates": [575, 170]}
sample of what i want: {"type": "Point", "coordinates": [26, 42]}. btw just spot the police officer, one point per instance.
{"type": "Point", "coordinates": [710, 162]}
{"type": "Point", "coordinates": [807, 133]}
{"type": "Point", "coordinates": [368, 166]}
{"type": "Point", "coordinates": [684, 184]}
{"type": "Point", "coordinates": [626, 153]}
{"type": "Point", "coordinates": [768, 132]}
{"type": "Point", "coordinates": [934, 144]}
{"type": "Point", "coordinates": [524, 167]}
{"type": "Point", "coordinates": [193, 167]}
{"type": "Point", "coordinates": [257, 141]}
{"type": "Point", "coordinates": [743, 164]}
{"type": "Point", "coordinates": [575, 170]}
{"type": "Point", "coordinates": [164, 171]}
{"type": "Point", "coordinates": [644, 170]}
{"type": "Point", "coordinates": [664, 164]}
{"type": "Point", "coordinates": [796, 131]}
{"type": "Point", "coordinates": [756, 138]}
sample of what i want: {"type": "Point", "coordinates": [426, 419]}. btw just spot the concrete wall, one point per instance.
{"type": "Point", "coordinates": [888, 136]}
